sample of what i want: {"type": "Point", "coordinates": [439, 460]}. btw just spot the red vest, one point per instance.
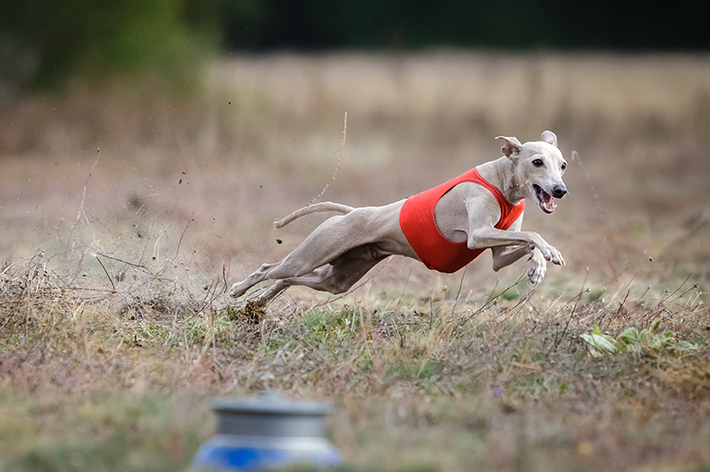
{"type": "Point", "coordinates": [438, 253]}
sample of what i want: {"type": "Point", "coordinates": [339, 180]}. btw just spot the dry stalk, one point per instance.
{"type": "Point", "coordinates": [107, 274]}
{"type": "Point", "coordinates": [340, 160]}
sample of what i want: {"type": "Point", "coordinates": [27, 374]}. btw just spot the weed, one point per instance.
{"type": "Point", "coordinates": [645, 341]}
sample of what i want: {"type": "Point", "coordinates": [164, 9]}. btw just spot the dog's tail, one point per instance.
{"type": "Point", "coordinates": [315, 208]}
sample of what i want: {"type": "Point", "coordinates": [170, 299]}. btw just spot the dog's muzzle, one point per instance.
{"type": "Point", "coordinates": [547, 201]}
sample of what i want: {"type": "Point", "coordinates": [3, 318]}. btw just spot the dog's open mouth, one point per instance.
{"type": "Point", "coordinates": [547, 203]}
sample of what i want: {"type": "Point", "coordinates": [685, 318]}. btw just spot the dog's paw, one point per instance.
{"type": "Point", "coordinates": [537, 267]}
{"type": "Point", "coordinates": [557, 257]}
{"type": "Point", "coordinates": [553, 255]}
{"type": "Point", "coordinates": [235, 291]}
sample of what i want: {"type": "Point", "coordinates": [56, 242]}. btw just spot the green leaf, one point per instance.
{"type": "Point", "coordinates": [668, 335]}
{"type": "Point", "coordinates": [602, 342]}
{"type": "Point", "coordinates": [633, 340]}
{"type": "Point", "coordinates": [656, 342]}
{"type": "Point", "coordinates": [629, 336]}
{"type": "Point", "coordinates": [682, 346]}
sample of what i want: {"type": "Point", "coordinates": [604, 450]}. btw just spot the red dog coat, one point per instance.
{"type": "Point", "coordinates": [438, 253]}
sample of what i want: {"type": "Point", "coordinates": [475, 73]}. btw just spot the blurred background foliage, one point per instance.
{"type": "Point", "coordinates": [517, 24]}
{"type": "Point", "coordinates": [46, 44]}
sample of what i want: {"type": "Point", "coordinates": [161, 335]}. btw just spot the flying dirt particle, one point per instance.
{"type": "Point", "coordinates": [252, 312]}
{"type": "Point", "coordinates": [278, 241]}
{"type": "Point", "coordinates": [650, 259]}
{"type": "Point", "coordinates": [179, 181]}
{"type": "Point", "coordinates": [135, 202]}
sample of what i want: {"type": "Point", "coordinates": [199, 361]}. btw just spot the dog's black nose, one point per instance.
{"type": "Point", "coordinates": [559, 191]}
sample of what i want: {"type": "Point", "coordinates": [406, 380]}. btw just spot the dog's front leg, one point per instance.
{"type": "Point", "coordinates": [486, 237]}
{"type": "Point", "coordinates": [482, 234]}
{"type": "Point", "coordinates": [537, 265]}
{"type": "Point", "coordinates": [505, 255]}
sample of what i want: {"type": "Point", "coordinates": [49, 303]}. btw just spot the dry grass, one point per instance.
{"type": "Point", "coordinates": [500, 383]}
{"type": "Point", "coordinates": [115, 326]}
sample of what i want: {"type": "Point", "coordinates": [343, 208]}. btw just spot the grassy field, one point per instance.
{"type": "Point", "coordinates": [125, 215]}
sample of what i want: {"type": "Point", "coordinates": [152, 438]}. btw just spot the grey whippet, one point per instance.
{"type": "Point", "coordinates": [345, 247]}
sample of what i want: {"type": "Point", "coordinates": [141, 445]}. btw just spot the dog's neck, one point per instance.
{"type": "Point", "coordinates": [501, 174]}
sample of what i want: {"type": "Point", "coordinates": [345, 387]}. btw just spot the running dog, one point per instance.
{"type": "Point", "coordinates": [445, 227]}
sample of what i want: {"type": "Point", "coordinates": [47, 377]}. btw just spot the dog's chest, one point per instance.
{"type": "Point", "coordinates": [451, 215]}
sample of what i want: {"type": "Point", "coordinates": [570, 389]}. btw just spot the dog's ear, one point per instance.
{"type": "Point", "coordinates": [549, 137]}
{"type": "Point", "coordinates": [511, 147]}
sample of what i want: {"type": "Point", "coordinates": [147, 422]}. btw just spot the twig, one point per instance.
{"type": "Point", "coordinates": [156, 248]}
{"type": "Point", "coordinates": [183, 233]}
{"type": "Point", "coordinates": [491, 300]}
{"type": "Point", "coordinates": [571, 315]}
{"type": "Point", "coordinates": [137, 266]}
{"type": "Point", "coordinates": [86, 184]}
{"type": "Point", "coordinates": [106, 272]}
{"type": "Point", "coordinates": [340, 160]}
{"type": "Point", "coordinates": [665, 299]}
{"type": "Point", "coordinates": [214, 340]}
{"type": "Point", "coordinates": [518, 306]}
{"type": "Point", "coordinates": [81, 212]}
{"type": "Point", "coordinates": [101, 223]}
{"type": "Point", "coordinates": [406, 282]}
{"type": "Point", "coordinates": [458, 293]}
{"type": "Point", "coordinates": [147, 240]}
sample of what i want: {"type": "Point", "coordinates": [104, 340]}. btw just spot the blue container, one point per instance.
{"type": "Point", "coordinates": [267, 431]}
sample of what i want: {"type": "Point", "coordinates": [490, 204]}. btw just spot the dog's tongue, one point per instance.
{"type": "Point", "coordinates": [547, 202]}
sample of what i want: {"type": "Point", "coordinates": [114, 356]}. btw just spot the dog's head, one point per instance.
{"type": "Point", "coordinates": [539, 167]}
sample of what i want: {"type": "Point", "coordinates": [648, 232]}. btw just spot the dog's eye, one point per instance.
{"type": "Point", "coordinates": [537, 162]}
{"type": "Point", "coordinates": [564, 165]}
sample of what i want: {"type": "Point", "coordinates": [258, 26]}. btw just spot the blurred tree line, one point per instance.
{"type": "Point", "coordinates": [503, 24]}
{"type": "Point", "coordinates": [45, 42]}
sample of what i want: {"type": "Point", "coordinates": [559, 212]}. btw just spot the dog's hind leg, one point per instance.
{"type": "Point", "coordinates": [240, 288]}
{"type": "Point", "coordinates": [334, 237]}
{"type": "Point", "coordinates": [337, 277]}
